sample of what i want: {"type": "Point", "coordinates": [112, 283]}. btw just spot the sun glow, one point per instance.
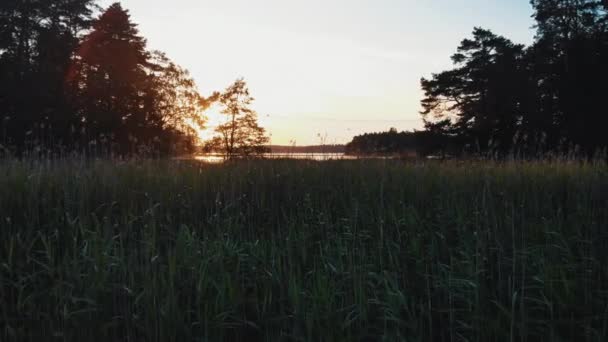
{"type": "Point", "coordinates": [214, 118]}
{"type": "Point", "coordinates": [353, 71]}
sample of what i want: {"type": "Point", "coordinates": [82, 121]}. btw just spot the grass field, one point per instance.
{"type": "Point", "coordinates": [303, 251]}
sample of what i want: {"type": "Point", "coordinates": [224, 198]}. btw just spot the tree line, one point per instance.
{"type": "Point", "coordinates": [383, 143]}
{"type": "Point", "coordinates": [75, 77]}
{"type": "Point", "coordinates": [308, 149]}
{"type": "Point", "coordinates": [502, 97]}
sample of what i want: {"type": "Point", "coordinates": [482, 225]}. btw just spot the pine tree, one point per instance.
{"type": "Point", "coordinates": [479, 100]}
{"type": "Point", "coordinates": [569, 56]}
{"type": "Point", "coordinates": [110, 80]}
{"type": "Point", "coordinates": [37, 39]}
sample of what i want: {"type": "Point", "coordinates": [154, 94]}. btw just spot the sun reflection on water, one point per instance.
{"type": "Point", "coordinates": [211, 159]}
{"type": "Point", "coordinates": [218, 158]}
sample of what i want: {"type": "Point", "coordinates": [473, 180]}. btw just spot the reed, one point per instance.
{"type": "Point", "coordinates": [303, 251]}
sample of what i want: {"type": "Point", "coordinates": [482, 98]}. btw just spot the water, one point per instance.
{"type": "Point", "coordinates": [218, 158]}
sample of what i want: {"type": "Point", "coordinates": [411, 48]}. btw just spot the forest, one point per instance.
{"type": "Point", "coordinates": [78, 78]}
{"type": "Point", "coordinates": [549, 96]}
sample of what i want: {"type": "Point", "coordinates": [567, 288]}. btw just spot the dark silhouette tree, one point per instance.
{"type": "Point", "coordinates": [390, 143]}
{"type": "Point", "coordinates": [570, 57]}
{"type": "Point", "coordinates": [480, 99]}
{"type": "Point", "coordinates": [61, 89]}
{"type": "Point", "coordinates": [37, 38]}
{"type": "Point", "coordinates": [549, 97]}
{"type": "Point", "coordinates": [179, 103]}
{"type": "Point", "coordinates": [110, 81]}
{"type": "Point", "coordinates": [128, 99]}
{"type": "Point", "coordinates": [240, 135]}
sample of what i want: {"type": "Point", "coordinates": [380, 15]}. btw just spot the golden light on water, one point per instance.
{"type": "Point", "coordinates": [211, 159]}
{"type": "Point", "coordinates": [215, 158]}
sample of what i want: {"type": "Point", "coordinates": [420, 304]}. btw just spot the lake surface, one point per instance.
{"type": "Point", "coordinates": [218, 158]}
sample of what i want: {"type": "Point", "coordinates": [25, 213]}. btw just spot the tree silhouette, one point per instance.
{"type": "Point", "coordinates": [110, 79]}
{"type": "Point", "coordinates": [481, 97]}
{"type": "Point", "coordinates": [70, 82]}
{"type": "Point", "coordinates": [178, 102]}
{"type": "Point", "coordinates": [240, 135]}
{"type": "Point", "coordinates": [392, 142]}
{"type": "Point", "coordinates": [570, 57]}
{"type": "Point", "coordinates": [37, 38]}
{"type": "Point", "coordinates": [503, 97]}
{"type": "Point", "coordinates": [129, 98]}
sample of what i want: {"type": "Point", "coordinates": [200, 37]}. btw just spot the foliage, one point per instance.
{"type": "Point", "coordinates": [240, 135]}
{"type": "Point", "coordinates": [74, 82]}
{"type": "Point", "coordinates": [37, 38]}
{"type": "Point", "coordinates": [179, 103]}
{"type": "Point", "coordinates": [385, 143]}
{"type": "Point", "coordinates": [481, 96]}
{"type": "Point", "coordinates": [125, 96]}
{"type": "Point", "coordinates": [299, 250]}
{"type": "Point", "coordinates": [503, 97]}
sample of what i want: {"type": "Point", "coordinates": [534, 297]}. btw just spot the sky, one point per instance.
{"type": "Point", "coordinates": [323, 71]}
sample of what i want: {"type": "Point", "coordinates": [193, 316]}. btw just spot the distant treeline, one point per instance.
{"type": "Point", "coordinates": [503, 97]}
{"type": "Point", "coordinates": [308, 149]}
{"type": "Point", "coordinates": [391, 142]}
{"type": "Point", "coordinates": [395, 143]}
{"type": "Point", "coordinates": [72, 77]}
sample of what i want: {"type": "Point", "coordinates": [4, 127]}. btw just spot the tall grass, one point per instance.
{"type": "Point", "coordinates": [303, 251]}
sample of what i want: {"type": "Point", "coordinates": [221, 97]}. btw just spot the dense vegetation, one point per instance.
{"type": "Point", "coordinates": [75, 78]}
{"type": "Point", "coordinates": [69, 81]}
{"type": "Point", "coordinates": [395, 143]}
{"type": "Point", "coordinates": [303, 251]}
{"type": "Point", "coordinates": [549, 96]}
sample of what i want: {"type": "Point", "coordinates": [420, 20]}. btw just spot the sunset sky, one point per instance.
{"type": "Point", "coordinates": [336, 68]}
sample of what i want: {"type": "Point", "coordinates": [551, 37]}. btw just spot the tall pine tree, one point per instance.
{"type": "Point", "coordinates": [110, 80]}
